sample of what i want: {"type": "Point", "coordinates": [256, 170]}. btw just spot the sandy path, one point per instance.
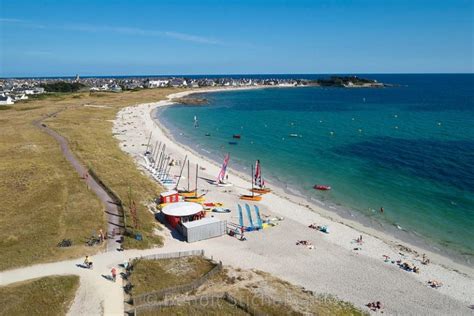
{"type": "Point", "coordinates": [96, 295]}
{"type": "Point", "coordinates": [333, 267]}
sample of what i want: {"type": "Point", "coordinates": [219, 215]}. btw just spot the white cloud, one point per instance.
{"type": "Point", "coordinates": [118, 30]}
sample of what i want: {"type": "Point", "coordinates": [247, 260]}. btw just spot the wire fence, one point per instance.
{"type": "Point", "coordinates": [173, 255]}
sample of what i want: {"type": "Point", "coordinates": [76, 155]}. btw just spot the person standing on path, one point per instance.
{"type": "Point", "coordinates": [114, 274]}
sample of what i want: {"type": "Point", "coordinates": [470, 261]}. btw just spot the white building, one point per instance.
{"type": "Point", "coordinates": [156, 83]}
{"type": "Point", "coordinates": [5, 100]}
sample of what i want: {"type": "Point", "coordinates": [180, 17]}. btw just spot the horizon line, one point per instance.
{"type": "Point", "coordinates": [237, 74]}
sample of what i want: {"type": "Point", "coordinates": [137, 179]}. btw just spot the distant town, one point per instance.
{"type": "Point", "coordinates": [13, 90]}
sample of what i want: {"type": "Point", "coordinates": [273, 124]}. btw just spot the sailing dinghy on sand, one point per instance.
{"type": "Point", "coordinates": [195, 198]}
{"type": "Point", "coordinates": [251, 197]}
{"type": "Point", "coordinates": [222, 176]}
{"type": "Point", "coordinates": [187, 193]}
{"type": "Point", "coordinates": [258, 180]}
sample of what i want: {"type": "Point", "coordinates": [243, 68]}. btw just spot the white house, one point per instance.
{"type": "Point", "coordinates": [156, 83]}
{"type": "Point", "coordinates": [5, 100]}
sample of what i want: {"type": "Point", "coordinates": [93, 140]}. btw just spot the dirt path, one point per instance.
{"type": "Point", "coordinates": [96, 294]}
{"type": "Point", "coordinates": [114, 214]}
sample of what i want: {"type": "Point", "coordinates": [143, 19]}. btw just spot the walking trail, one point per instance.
{"type": "Point", "coordinates": [96, 295]}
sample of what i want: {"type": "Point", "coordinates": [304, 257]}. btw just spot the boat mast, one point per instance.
{"type": "Point", "coordinates": [197, 170]}
{"type": "Point", "coordinates": [148, 144]}
{"type": "Point", "coordinates": [188, 175]}
{"type": "Point", "coordinates": [181, 172]}
{"type": "Point", "coordinates": [251, 173]}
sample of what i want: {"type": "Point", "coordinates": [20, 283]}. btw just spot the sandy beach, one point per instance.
{"type": "Point", "coordinates": [358, 273]}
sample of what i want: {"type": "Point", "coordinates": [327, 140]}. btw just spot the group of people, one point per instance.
{"type": "Point", "coordinates": [306, 243]}
{"type": "Point", "coordinates": [321, 228]}
{"type": "Point", "coordinates": [374, 306]}
{"type": "Point", "coordinates": [88, 264]}
{"type": "Point", "coordinates": [408, 266]}
{"type": "Point", "coordinates": [435, 284]}
{"type": "Point", "coordinates": [425, 260]}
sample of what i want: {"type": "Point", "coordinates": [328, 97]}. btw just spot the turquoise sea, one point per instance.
{"type": "Point", "coordinates": [407, 148]}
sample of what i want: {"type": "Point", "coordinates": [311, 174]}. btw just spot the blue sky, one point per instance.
{"type": "Point", "coordinates": [48, 38]}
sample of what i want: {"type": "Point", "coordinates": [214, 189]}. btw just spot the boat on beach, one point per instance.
{"type": "Point", "coordinates": [251, 197]}
{"type": "Point", "coordinates": [221, 180]}
{"type": "Point", "coordinates": [191, 196]}
{"type": "Point", "coordinates": [258, 180]}
{"type": "Point", "coordinates": [187, 192]}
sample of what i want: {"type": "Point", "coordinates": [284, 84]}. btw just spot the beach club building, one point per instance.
{"type": "Point", "coordinates": [190, 221]}
{"type": "Point", "coordinates": [181, 212]}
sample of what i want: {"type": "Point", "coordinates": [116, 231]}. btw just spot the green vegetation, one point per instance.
{"type": "Point", "coordinates": [62, 86]}
{"type": "Point", "coordinates": [337, 81]}
{"type": "Point", "coordinates": [154, 275]}
{"type": "Point", "coordinates": [46, 296]}
{"type": "Point", "coordinates": [43, 199]}
{"type": "Point", "coordinates": [89, 132]}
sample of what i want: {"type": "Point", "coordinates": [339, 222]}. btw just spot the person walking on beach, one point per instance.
{"type": "Point", "coordinates": [88, 262]}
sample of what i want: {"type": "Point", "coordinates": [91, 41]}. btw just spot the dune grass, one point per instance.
{"type": "Point", "coordinates": [45, 296]}
{"type": "Point", "coordinates": [43, 200]}
{"type": "Point", "coordinates": [89, 132]}
{"type": "Point", "coordinates": [261, 292]}
{"type": "Point", "coordinates": [155, 275]}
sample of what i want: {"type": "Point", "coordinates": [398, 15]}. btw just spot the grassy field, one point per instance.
{"type": "Point", "coordinates": [43, 200]}
{"type": "Point", "coordinates": [154, 275]}
{"type": "Point", "coordinates": [89, 131]}
{"type": "Point", "coordinates": [45, 296]}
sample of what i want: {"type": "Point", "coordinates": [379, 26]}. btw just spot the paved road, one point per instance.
{"type": "Point", "coordinates": [113, 212]}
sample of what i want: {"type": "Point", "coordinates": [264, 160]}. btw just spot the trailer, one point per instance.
{"type": "Point", "coordinates": [205, 228]}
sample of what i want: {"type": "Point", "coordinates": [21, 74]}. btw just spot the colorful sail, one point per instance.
{"type": "Point", "coordinates": [222, 173]}
{"type": "Point", "coordinates": [258, 179]}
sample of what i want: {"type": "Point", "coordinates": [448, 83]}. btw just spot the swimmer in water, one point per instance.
{"type": "Point", "coordinates": [381, 209]}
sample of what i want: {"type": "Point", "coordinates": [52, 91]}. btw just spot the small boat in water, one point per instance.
{"type": "Point", "coordinates": [232, 143]}
{"type": "Point", "coordinates": [295, 135]}
{"type": "Point", "coordinates": [236, 136]}
{"type": "Point", "coordinates": [208, 134]}
{"type": "Point", "coordinates": [322, 187]}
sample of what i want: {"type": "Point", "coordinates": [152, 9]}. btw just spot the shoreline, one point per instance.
{"type": "Point", "coordinates": [304, 213]}
{"type": "Point", "coordinates": [387, 232]}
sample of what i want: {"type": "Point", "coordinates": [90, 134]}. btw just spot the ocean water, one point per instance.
{"type": "Point", "coordinates": [408, 149]}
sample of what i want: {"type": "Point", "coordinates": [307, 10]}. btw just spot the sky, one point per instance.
{"type": "Point", "coordinates": [64, 38]}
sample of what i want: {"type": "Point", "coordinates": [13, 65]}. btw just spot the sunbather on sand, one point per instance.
{"type": "Point", "coordinates": [435, 284]}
